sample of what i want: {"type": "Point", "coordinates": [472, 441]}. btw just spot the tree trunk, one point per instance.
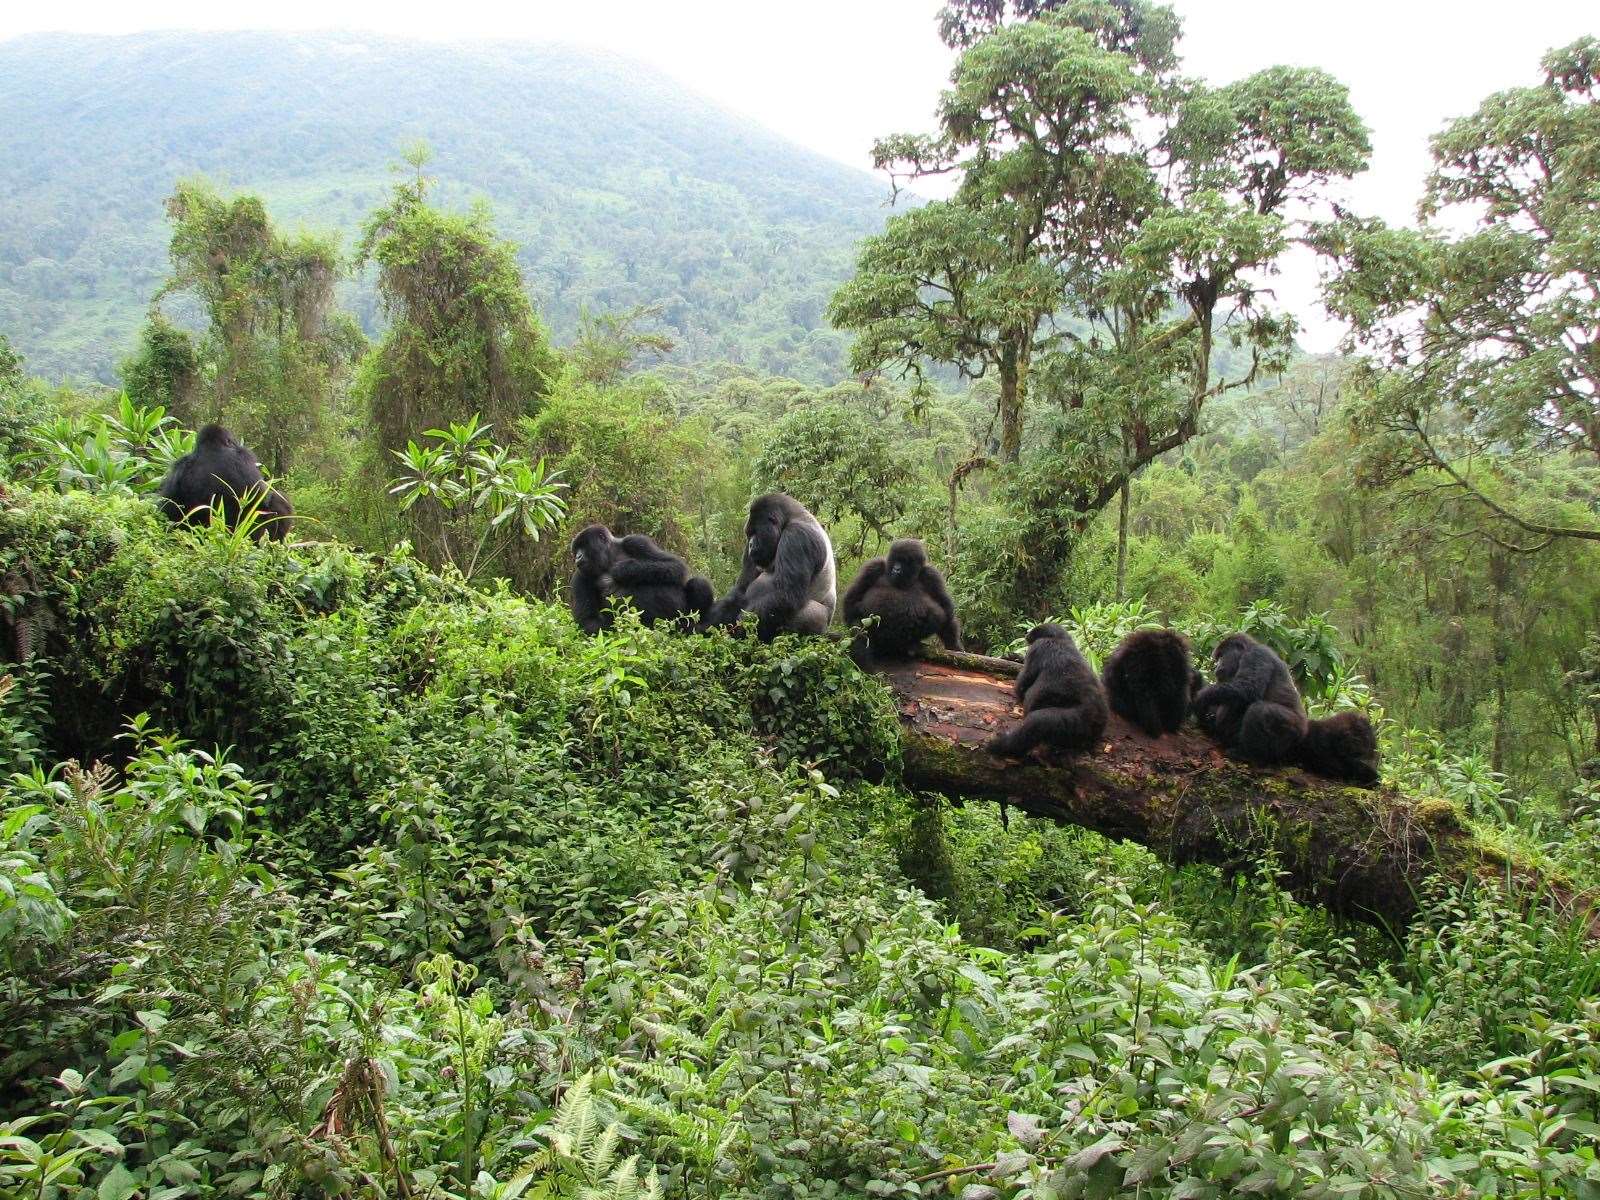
{"type": "Point", "coordinates": [1361, 853]}
{"type": "Point", "coordinates": [1122, 544]}
{"type": "Point", "coordinates": [1013, 390]}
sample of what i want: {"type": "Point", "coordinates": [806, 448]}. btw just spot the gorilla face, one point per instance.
{"type": "Point", "coordinates": [764, 528]}
{"type": "Point", "coordinates": [906, 560]}
{"type": "Point", "coordinates": [593, 551]}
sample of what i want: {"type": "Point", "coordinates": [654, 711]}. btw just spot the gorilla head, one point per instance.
{"type": "Point", "coordinates": [907, 558]}
{"type": "Point", "coordinates": [594, 550]}
{"type": "Point", "coordinates": [764, 526]}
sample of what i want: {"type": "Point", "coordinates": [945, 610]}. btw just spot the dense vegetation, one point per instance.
{"type": "Point", "coordinates": [618, 185]}
{"type": "Point", "coordinates": [350, 867]}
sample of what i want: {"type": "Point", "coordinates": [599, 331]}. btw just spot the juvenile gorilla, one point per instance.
{"type": "Point", "coordinates": [1343, 746]}
{"type": "Point", "coordinates": [788, 576]}
{"type": "Point", "coordinates": [1253, 708]}
{"type": "Point", "coordinates": [220, 473]}
{"type": "Point", "coordinates": [1149, 680]}
{"type": "Point", "coordinates": [1064, 703]}
{"type": "Point", "coordinates": [655, 581]}
{"type": "Point", "coordinates": [907, 596]}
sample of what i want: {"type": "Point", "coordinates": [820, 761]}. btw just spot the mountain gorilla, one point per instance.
{"type": "Point", "coordinates": [788, 577]}
{"type": "Point", "coordinates": [1064, 705]}
{"type": "Point", "coordinates": [1343, 746]}
{"type": "Point", "coordinates": [1149, 679]}
{"type": "Point", "coordinates": [1253, 708]}
{"type": "Point", "coordinates": [907, 596]}
{"type": "Point", "coordinates": [221, 473]}
{"type": "Point", "coordinates": [655, 581]}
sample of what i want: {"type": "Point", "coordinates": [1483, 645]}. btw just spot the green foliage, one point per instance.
{"type": "Point", "coordinates": [462, 336]}
{"type": "Point", "coordinates": [486, 494]}
{"type": "Point", "coordinates": [126, 453]}
{"type": "Point", "coordinates": [841, 465]}
{"type": "Point", "coordinates": [1484, 342]}
{"type": "Point", "coordinates": [485, 906]}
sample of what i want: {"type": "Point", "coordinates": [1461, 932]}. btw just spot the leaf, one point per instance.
{"type": "Point", "coordinates": [1025, 1128]}
{"type": "Point", "coordinates": [118, 1184]}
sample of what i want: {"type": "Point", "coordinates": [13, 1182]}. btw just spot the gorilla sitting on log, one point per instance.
{"type": "Point", "coordinates": [788, 576]}
{"type": "Point", "coordinates": [655, 581]}
{"type": "Point", "coordinates": [1253, 708]}
{"type": "Point", "coordinates": [1064, 705]}
{"type": "Point", "coordinates": [1343, 746]}
{"type": "Point", "coordinates": [1149, 680]}
{"type": "Point", "coordinates": [908, 598]}
{"type": "Point", "coordinates": [220, 473]}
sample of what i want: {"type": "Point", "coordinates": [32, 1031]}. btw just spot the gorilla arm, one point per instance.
{"type": "Point", "coordinates": [950, 631]}
{"type": "Point", "coordinates": [801, 554]}
{"type": "Point", "coordinates": [871, 574]}
{"type": "Point", "coordinates": [588, 603]}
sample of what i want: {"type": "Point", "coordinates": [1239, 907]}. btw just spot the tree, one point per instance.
{"type": "Point", "coordinates": [1038, 121]}
{"type": "Point", "coordinates": [839, 464]}
{"type": "Point", "coordinates": [267, 365]}
{"type": "Point", "coordinates": [1109, 232]}
{"type": "Point", "coordinates": [1486, 346]}
{"type": "Point", "coordinates": [462, 337]}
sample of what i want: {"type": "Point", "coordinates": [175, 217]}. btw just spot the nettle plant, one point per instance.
{"type": "Point", "coordinates": [469, 496]}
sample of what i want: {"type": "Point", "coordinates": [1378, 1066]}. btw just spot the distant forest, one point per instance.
{"type": "Point", "coordinates": [618, 186]}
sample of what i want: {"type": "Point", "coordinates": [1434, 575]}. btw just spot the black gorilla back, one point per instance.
{"type": "Point", "coordinates": [1148, 680]}
{"type": "Point", "coordinates": [1063, 703]}
{"type": "Point", "coordinates": [655, 581]}
{"type": "Point", "coordinates": [1343, 746]}
{"type": "Point", "coordinates": [220, 473]}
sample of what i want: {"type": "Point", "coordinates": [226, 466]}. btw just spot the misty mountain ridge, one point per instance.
{"type": "Point", "coordinates": [619, 185]}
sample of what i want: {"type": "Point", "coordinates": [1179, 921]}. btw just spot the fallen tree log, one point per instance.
{"type": "Point", "coordinates": [1363, 853]}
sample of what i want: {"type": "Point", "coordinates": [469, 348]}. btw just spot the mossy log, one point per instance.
{"type": "Point", "coordinates": [1359, 852]}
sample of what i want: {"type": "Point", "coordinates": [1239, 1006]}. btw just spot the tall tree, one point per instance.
{"type": "Point", "coordinates": [267, 364]}
{"type": "Point", "coordinates": [1487, 345]}
{"type": "Point", "coordinates": [1039, 122]}
{"type": "Point", "coordinates": [462, 338]}
{"type": "Point", "coordinates": [1108, 237]}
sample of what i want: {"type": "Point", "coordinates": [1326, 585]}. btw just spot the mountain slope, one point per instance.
{"type": "Point", "coordinates": [620, 186]}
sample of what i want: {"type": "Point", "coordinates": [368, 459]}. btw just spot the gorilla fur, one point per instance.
{"type": "Point", "coordinates": [1064, 705]}
{"type": "Point", "coordinates": [655, 581]}
{"type": "Point", "coordinates": [220, 473]}
{"type": "Point", "coordinates": [1148, 680]}
{"type": "Point", "coordinates": [907, 596]}
{"type": "Point", "coordinates": [1253, 708]}
{"type": "Point", "coordinates": [1343, 746]}
{"type": "Point", "coordinates": [788, 577]}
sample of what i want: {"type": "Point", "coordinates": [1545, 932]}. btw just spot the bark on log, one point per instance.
{"type": "Point", "coordinates": [1359, 852]}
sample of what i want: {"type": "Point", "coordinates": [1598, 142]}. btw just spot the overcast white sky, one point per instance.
{"type": "Point", "coordinates": [835, 74]}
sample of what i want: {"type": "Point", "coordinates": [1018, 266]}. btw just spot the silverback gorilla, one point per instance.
{"type": "Point", "coordinates": [1253, 708]}
{"type": "Point", "coordinates": [655, 581]}
{"type": "Point", "coordinates": [1149, 679]}
{"type": "Point", "coordinates": [1063, 703]}
{"type": "Point", "coordinates": [788, 576]}
{"type": "Point", "coordinates": [220, 473]}
{"type": "Point", "coordinates": [908, 598]}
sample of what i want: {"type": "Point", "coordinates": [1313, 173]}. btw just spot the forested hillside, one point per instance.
{"type": "Point", "coordinates": [619, 186]}
{"type": "Point", "coordinates": [446, 756]}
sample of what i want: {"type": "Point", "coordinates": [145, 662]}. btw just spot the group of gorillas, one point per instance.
{"type": "Point", "coordinates": [787, 580]}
